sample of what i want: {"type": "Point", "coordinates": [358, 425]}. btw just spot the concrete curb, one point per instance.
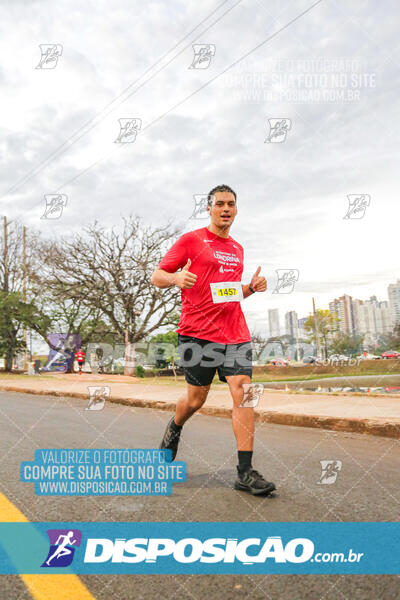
{"type": "Point", "coordinates": [367, 426]}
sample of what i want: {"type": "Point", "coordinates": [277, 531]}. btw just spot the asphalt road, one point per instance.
{"type": "Point", "coordinates": [367, 489]}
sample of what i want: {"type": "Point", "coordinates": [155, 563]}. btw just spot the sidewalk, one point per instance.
{"type": "Point", "coordinates": [375, 415]}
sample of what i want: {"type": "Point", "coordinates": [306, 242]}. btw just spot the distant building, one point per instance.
{"type": "Point", "coordinates": [291, 326]}
{"type": "Point", "coordinates": [302, 329]}
{"type": "Point", "coordinates": [361, 316]}
{"type": "Point", "coordinates": [394, 302]}
{"type": "Point", "coordinates": [358, 317]}
{"type": "Point", "coordinates": [371, 316]}
{"type": "Point", "coordinates": [384, 322]}
{"type": "Point", "coordinates": [343, 307]}
{"type": "Point", "coordinates": [273, 319]}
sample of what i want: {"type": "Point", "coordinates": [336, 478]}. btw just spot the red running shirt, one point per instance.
{"type": "Point", "coordinates": [80, 356]}
{"type": "Point", "coordinates": [214, 259]}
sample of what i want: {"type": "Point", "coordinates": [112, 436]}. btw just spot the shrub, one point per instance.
{"type": "Point", "coordinates": [139, 371]}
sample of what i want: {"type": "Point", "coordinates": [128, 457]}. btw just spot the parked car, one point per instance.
{"type": "Point", "coordinates": [339, 357]}
{"type": "Point", "coordinates": [369, 356]}
{"type": "Point", "coordinates": [390, 354]}
{"type": "Point", "coordinates": [310, 359]}
{"type": "Point", "coordinates": [279, 362]}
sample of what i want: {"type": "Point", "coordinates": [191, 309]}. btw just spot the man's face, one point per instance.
{"type": "Point", "coordinates": [223, 210]}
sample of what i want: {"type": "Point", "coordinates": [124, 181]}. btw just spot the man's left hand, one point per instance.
{"type": "Point", "coordinates": [259, 284]}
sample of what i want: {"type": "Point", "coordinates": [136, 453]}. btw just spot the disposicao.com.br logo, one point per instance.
{"type": "Point", "coordinates": [248, 551]}
{"type": "Point", "coordinates": [62, 547]}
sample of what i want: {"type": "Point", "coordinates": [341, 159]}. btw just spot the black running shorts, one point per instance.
{"type": "Point", "coordinates": [201, 359]}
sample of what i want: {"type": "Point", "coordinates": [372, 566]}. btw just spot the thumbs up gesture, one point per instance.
{"type": "Point", "coordinates": [185, 279]}
{"type": "Point", "coordinates": [259, 284]}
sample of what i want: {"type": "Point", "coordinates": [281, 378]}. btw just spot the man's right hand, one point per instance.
{"type": "Point", "coordinates": [185, 279]}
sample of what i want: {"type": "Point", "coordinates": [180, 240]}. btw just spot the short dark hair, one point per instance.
{"type": "Point", "coordinates": [219, 188]}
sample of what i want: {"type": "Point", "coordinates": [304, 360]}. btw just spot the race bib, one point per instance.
{"type": "Point", "coordinates": [227, 291]}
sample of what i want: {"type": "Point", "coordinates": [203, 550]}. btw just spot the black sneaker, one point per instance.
{"type": "Point", "coordinates": [171, 439]}
{"type": "Point", "coordinates": [251, 481]}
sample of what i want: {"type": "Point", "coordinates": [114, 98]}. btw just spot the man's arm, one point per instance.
{"type": "Point", "coordinates": [246, 291]}
{"type": "Point", "coordinates": [183, 279]}
{"type": "Point", "coordinates": [163, 279]}
{"type": "Point", "coordinates": [257, 284]}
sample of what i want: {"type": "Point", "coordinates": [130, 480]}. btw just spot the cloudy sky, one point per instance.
{"type": "Point", "coordinates": [331, 74]}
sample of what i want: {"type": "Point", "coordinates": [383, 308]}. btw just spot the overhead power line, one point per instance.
{"type": "Point", "coordinates": [112, 105]}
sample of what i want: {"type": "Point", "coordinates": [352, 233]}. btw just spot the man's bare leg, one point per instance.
{"type": "Point", "coordinates": [242, 416]}
{"type": "Point", "coordinates": [248, 479]}
{"type": "Point", "coordinates": [187, 405]}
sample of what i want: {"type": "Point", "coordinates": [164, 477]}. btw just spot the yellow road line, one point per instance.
{"type": "Point", "coordinates": [9, 513]}
{"type": "Point", "coordinates": [45, 587]}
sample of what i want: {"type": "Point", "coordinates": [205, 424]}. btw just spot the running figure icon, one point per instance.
{"type": "Point", "coordinates": [62, 549]}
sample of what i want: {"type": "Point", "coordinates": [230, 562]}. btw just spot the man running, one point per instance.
{"type": "Point", "coordinates": [80, 357]}
{"type": "Point", "coordinates": [213, 334]}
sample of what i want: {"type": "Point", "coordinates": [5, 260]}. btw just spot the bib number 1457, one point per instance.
{"type": "Point", "coordinates": [227, 291]}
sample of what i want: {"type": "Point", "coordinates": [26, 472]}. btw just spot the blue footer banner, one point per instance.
{"type": "Point", "coordinates": [192, 548]}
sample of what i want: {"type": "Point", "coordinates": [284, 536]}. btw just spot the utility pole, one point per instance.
{"type": "Point", "coordinates": [297, 341]}
{"type": "Point", "coordinates": [316, 328]}
{"type": "Point", "coordinates": [24, 293]}
{"type": "Point", "coordinates": [5, 255]}
{"type": "Point", "coordinates": [8, 357]}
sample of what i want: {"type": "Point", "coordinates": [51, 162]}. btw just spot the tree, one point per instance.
{"type": "Point", "coordinates": [167, 352]}
{"type": "Point", "coordinates": [388, 341]}
{"type": "Point", "coordinates": [67, 316]}
{"type": "Point", "coordinates": [326, 322]}
{"type": "Point", "coordinates": [108, 271]}
{"type": "Point", "coordinates": [170, 337]}
{"type": "Point", "coordinates": [259, 342]}
{"type": "Point", "coordinates": [14, 316]}
{"type": "Point", "coordinates": [258, 338]}
{"type": "Point", "coordinates": [343, 343]}
{"type": "Point", "coordinates": [396, 337]}
{"type": "Point", "coordinates": [19, 262]}
{"type": "Point", "coordinates": [11, 340]}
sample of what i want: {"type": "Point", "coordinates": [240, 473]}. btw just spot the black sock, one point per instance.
{"type": "Point", "coordinates": [244, 457]}
{"type": "Point", "coordinates": [175, 427]}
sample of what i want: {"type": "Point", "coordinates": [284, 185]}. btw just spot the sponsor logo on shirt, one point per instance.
{"type": "Point", "coordinates": [226, 256]}
{"type": "Point", "coordinates": [222, 270]}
